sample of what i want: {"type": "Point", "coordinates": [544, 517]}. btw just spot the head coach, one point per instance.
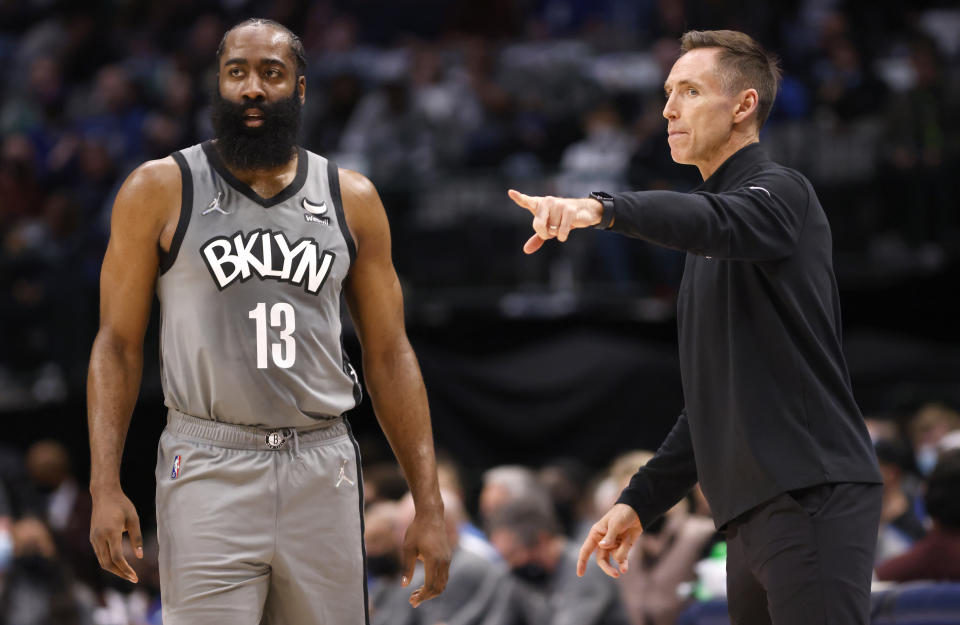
{"type": "Point", "coordinates": [769, 427]}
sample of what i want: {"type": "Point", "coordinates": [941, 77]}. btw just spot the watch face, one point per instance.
{"type": "Point", "coordinates": [601, 195]}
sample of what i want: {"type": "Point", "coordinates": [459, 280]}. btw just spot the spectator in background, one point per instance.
{"type": "Point", "coordinates": [14, 489]}
{"type": "Point", "coordinates": [65, 506]}
{"type": "Point", "coordinates": [470, 537]}
{"type": "Point", "coordinates": [601, 158]}
{"type": "Point", "coordinates": [848, 89]}
{"type": "Point", "coordinates": [172, 124]}
{"type": "Point", "coordinates": [563, 480]}
{"type": "Point", "coordinates": [115, 119]}
{"type": "Point", "coordinates": [488, 143]}
{"type": "Point", "coordinates": [38, 110]}
{"type": "Point", "coordinates": [23, 324]}
{"type": "Point", "coordinates": [325, 129]}
{"type": "Point", "coordinates": [899, 525]}
{"type": "Point", "coordinates": [937, 555]}
{"type": "Point", "coordinates": [38, 589]}
{"type": "Point", "coordinates": [6, 535]}
{"type": "Point", "coordinates": [382, 541]}
{"type": "Point", "coordinates": [505, 484]}
{"type": "Point", "coordinates": [922, 145]}
{"type": "Point", "coordinates": [532, 544]}
{"type": "Point", "coordinates": [38, 265]}
{"type": "Point", "coordinates": [473, 589]}
{"type": "Point", "coordinates": [95, 173]}
{"type": "Point", "coordinates": [383, 481]}
{"type": "Point", "coordinates": [19, 180]}
{"type": "Point", "coordinates": [599, 161]}
{"type": "Point", "coordinates": [928, 427]}
{"type": "Point", "coordinates": [445, 100]}
{"type": "Point", "coordinates": [388, 137]}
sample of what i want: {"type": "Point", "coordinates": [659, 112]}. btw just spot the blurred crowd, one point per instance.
{"type": "Point", "coordinates": [515, 531]}
{"type": "Point", "coordinates": [444, 105]}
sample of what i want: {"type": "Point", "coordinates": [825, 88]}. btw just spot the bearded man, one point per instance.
{"type": "Point", "coordinates": [249, 241]}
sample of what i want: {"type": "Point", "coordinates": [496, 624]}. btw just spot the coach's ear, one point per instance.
{"type": "Point", "coordinates": [747, 102]}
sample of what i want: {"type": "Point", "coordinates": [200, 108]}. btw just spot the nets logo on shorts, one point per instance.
{"type": "Point", "coordinates": [175, 471]}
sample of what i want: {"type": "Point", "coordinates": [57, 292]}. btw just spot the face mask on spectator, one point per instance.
{"type": "Point", "coordinates": [6, 550]}
{"type": "Point", "coordinates": [38, 568]}
{"type": "Point", "coordinates": [926, 459]}
{"type": "Point", "coordinates": [532, 573]}
{"type": "Point", "coordinates": [383, 565]}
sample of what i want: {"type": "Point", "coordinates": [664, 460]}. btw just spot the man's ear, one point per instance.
{"type": "Point", "coordinates": [302, 88]}
{"type": "Point", "coordinates": [747, 104]}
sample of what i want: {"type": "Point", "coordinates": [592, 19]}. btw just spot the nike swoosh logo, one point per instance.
{"type": "Point", "coordinates": [316, 209]}
{"type": "Point", "coordinates": [761, 189]}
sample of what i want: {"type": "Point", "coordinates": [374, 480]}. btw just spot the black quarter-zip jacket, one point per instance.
{"type": "Point", "coordinates": [768, 402]}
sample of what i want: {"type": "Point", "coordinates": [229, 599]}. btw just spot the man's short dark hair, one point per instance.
{"type": "Point", "coordinates": [297, 50]}
{"type": "Point", "coordinates": [943, 490]}
{"type": "Point", "coordinates": [743, 64]}
{"type": "Point", "coordinates": [894, 453]}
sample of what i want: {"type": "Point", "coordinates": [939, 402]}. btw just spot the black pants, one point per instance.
{"type": "Point", "coordinates": [804, 557]}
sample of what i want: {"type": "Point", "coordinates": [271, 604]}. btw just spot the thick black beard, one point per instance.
{"type": "Point", "coordinates": [271, 145]}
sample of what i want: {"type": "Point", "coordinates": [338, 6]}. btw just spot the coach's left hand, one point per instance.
{"type": "Point", "coordinates": [611, 536]}
{"type": "Point", "coordinates": [555, 217]}
{"type": "Point", "coordinates": [426, 540]}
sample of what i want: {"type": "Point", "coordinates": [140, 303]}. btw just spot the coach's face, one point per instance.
{"type": "Point", "coordinates": [257, 65]}
{"type": "Point", "coordinates": [700, 116]}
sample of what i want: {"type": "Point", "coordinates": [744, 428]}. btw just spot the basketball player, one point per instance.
{"type": "Point", "coordinates": [770, 427]}
{"type": "Point", "coordinates": [249, 241]}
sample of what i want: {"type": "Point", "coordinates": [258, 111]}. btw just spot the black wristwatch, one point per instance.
{"type": "Point", "coordinates": [606, 220]}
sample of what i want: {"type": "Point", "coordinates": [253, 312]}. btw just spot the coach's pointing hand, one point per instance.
{"type": "Point", "coordinates": [555, 217]}
{"type": "Point", "coordinates": [114, 514]}
{"type": "Point", "coordinates": [613, 535]}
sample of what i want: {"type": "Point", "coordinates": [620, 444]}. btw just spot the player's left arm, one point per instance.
{"type": "Point", "coordinates": [393, 379]}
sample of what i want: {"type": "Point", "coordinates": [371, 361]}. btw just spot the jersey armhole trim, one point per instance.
{"type": "Point", "coordinates": [333, 178]}
{"type": "Point", "coordinates": [186, 208]}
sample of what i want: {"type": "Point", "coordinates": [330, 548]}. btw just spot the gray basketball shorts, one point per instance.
{"type": "Point", "coordinates": [259, 526]}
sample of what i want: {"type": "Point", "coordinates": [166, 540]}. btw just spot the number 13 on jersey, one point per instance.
{"type": "Point", "coordinates": [283, 352]}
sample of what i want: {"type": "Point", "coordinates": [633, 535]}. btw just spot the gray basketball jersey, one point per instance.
{"type": "Point", "coordinates": [250, 327]}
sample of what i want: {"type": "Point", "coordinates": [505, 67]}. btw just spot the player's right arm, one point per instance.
{"type": "Point", "coordinates": [143, 220]}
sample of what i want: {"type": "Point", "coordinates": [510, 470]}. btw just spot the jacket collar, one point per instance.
{"type": "Point", "coordinates": [734, 168]}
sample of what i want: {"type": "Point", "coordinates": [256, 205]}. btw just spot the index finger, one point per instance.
{"type": "Point", "coordinates": [589, 546]}
{"type": "Point", "coordinates": [527, 201]}
{"type": "Point", "coordinates": [120, 566]}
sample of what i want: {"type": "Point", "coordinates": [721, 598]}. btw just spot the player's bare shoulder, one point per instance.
{"type": "Point", "coordinates": [362, 206]}
{"type": "Point", "coordinates": [149, 200]}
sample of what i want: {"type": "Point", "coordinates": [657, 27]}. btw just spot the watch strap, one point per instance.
{"type": "Point", "coordinates": [606, 218]}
